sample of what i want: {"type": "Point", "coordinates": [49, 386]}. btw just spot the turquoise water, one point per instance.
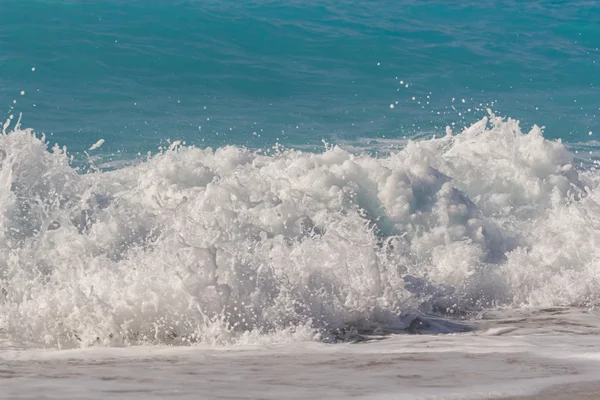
{"type": "Point", "coordinates": [237, 244]}
{"type": "Point", "coordinates": [263, 72]}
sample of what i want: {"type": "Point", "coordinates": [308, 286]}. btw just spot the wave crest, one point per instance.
{"type": "Point", "coordinates": [228, 245]}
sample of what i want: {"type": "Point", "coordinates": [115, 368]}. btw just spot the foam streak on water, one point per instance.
{"type": "Point", "coordinates": [228, 245]}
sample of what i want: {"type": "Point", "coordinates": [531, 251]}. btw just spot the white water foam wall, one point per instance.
{"type": "Point", "coordinates": [233, 246]}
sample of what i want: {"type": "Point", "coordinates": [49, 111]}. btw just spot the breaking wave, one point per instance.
{"type": "Point", "coordinates": [233, 246]}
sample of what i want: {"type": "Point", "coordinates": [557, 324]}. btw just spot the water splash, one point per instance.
{"type": "Point", "coordinates": [228, 245]}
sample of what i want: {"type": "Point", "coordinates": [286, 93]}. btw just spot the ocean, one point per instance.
{"type": "Point", "coordinates": [211, 183]}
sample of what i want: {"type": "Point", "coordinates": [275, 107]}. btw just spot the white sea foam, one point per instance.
{"type": "Point", "coordinates": [228, 245]}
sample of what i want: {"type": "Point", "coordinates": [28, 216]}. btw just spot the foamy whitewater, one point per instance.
{"type": "Point", "coordinates": [299, 199]}
{"type": "Point", "coordinates": [233, 246]}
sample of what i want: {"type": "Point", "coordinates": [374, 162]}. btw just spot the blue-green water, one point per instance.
{"type": "Point", "coordinates": [236, 244]}
{"type": "Point", "coordinates": [259, 72]}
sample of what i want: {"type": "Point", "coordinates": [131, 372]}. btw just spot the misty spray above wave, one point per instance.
{"type": "Point", "coordinates": [230, 245]}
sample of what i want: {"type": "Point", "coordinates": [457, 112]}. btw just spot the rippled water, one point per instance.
{"type": "Point", "coordinates": [253, 74]}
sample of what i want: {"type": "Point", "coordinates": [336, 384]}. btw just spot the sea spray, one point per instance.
{"type": "Point", "coordinates": [229, 245]}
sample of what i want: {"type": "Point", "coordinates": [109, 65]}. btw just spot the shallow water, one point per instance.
{"type": "Point", "coordinates": [514, 355]}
